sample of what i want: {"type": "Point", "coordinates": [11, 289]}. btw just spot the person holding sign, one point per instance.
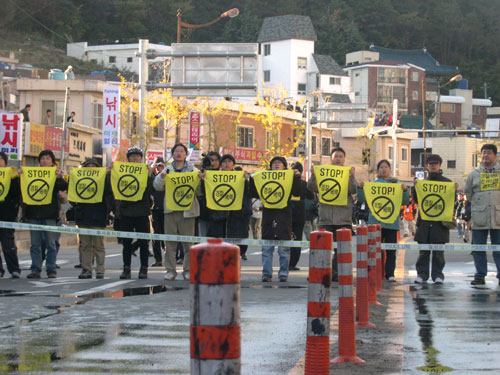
{"type": "Point", "coordinates": [482, 188]}
{"type": "Point", "coordinates": [430, 231]}
{"type": "Point", "coordinates": [90, 191]}
{"type": "Point", "coordinates": [41, 187]}
{"type": "Point", "coordinates": [180, 181]}
{"type": "Point", "coordinates": [335, 185]}
{"type": "Point", "coordinates": [132, 184]}
{"type": "Point", "coordinates": [385, 196]}
{"type": "Point", "coordinates": [10, 198]}
{"type": "Point", "coordinates": [275, 187]}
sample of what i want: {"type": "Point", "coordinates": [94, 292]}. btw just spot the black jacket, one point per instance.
{"type": "Point", "coordinates": [141, 207]}
{"type": "Point", "coordinates": [96, 214]}
{"type": "Point", "coordinates": [47, 211]}
{"type": "Point", "coordinates": [277, 223]}
{"type": "Point", "coordinates": [10, 206]}
{"type": "Point", "coordinates": [299, 206]}
{"type": "Point", "coordinates": [431, 231]}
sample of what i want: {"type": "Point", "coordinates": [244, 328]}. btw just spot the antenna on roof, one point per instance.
{"type": "Point", "coordinates": [425, 49]}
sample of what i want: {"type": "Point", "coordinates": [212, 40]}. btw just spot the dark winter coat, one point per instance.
{"type": "Point", "coordinates": [237, 223]}
{"type": "Point", "coordinates": [141, 207]}
{"type": "Point", "coordinates": [431, 231]}
{"type": "Point", "coordinates": [299, 206]}
{"type": "Point", "coordinates": [277, 223]}
{"type": "Point", "coordinates": [10, 206]}
{"type": "Point", "coordinates": [96, 214]}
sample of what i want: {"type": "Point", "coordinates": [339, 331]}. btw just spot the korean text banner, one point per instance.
{"type": "Point", "coordinates": [224, 190]}
{"type": "Point", "coordinates": [129, 180]}
{"type": "Point", "coordinates": [333, 184]}
{"type": "Point", "coordinates": [5, 177]}
{"type": "Point", "coordinates": [111, 116]}
{"type": "Point", "coordinates": [384, 200]}
{"type": "Point", "coordinates": [274, 187]}
{"type": "Point", "coordinates": [10, 134]}
{"type": "Point", "coordinates": [37, 185]}
{"type": "Point", "coordinates": [436, 200]}
{"type": "Point", "coordinates": [86, 185]}
{"type": "Point", "coordinates": [180, 190]}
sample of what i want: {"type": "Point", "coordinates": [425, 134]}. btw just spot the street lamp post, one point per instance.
{"type": "Point", "coordinates": [231, 13]}
{"type": "Point", "coordinates": [438, 104]}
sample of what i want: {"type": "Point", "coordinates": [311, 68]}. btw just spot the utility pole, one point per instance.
{"type": "Point", "coordinates": [394, 137]}
{"type": "Point", "coordinates": [423, 119]}
{"type": "Point", "coordinates": [143, 78]}
{"type": "Point", "coordinates": [308, 139]}
{"type": "Point", "coordinates": [2, 91]}
{"type": "Point", "coordinates": [65, 116]}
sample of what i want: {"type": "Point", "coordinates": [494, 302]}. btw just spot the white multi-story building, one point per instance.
{"type": "Point", "coordinates": [119, 56]}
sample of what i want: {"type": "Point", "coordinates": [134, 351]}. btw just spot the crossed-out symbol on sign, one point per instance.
{"type": "Point", "coordinates": [334, 190]}
{"type": "Point", "coordinates": [82, 187]}
{"type": "Point", "coordinates": [2, 188]}
{"type": "Point", "coordinates": [125, 184]}
{"type": "Point", "coordinates": [272, 189]}
{"type": "Point", "coordinates": [437, 206]}
{"type": "Point", "coordinates": [381, 207]}
{"type": "Point", "coordinates": [181, 192]}
{"type": "Point", "coordinates": [220, 194]}
{"type": "Point", "coordinates": [38, 192]}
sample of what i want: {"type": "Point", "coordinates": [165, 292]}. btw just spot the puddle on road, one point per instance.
{"type": "Point", "coordinates": [426, 325]}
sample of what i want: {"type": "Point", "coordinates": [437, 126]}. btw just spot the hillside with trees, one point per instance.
{"type": "Point", "coordinates": [461, 33]}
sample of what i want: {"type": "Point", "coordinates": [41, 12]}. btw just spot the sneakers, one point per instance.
{"type": "Point", "coordinates": [51, 275]}
{"type": "Point", "coordinates": [419, 280]}
{"type": "Point", "coordinates": [185, 275]}
{"type": "Point", "coordinates": [143, 273]}
{"type": "Point", "coordinates": [78, 266]}
{"type": "Point", "coordinates": [266, 279]}
{"type": "Point", "coordinates": [85, 275]}
{"type": "Point", "coordinates": [478, 282]}
{"type": "Point", "coordinates": [392, 279]}
{"type": "Point", "coordinates": [33, 275]}
{"type": "Point", "coordinates": [180, 261]}
{"type": "Point", "coordinates": [438, 280]}
{"type": "Point", "coordinates": [157, 264]}
{"type": "Point", "coordinates": [15, 275]}
{"type": "Point", "coordinates": [126, 273]}
{"type": "Point", "coordinates": [283, 279]}
{"type": "Point", "coordinates": [99, 276]}
{"type": "Point", "coordinates": [169, 276]}
{"type": "Point", "coordinates": [244, 257]}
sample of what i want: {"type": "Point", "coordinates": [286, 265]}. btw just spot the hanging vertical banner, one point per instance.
{"type": "Point", "coordinates": [194, 130]}
{"type": "Point", "coordinates": [10, 135]}
{"type": "Point", "coordinates": [111, 117]}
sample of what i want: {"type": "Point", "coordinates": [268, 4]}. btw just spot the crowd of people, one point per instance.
{"type": "Point", "coordinates": [475, 211]}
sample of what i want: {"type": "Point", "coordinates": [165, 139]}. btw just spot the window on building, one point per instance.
{"type": "Point", "coordinates": [404, 154]}
{"type": "Point", "coordinates": [334, 81]}
{"type": "Point", "coordinates": [414, 95]}
{"type": "Point", "coordinates": [474, 160]}
{"type": "Point", "coordinates": [318, 81]}
{"type": "Point", "coordinates": [96, 115]}
{"type": "Point", "coordinates": [302, 62]}
{"type": "Point", "coordinates": [245, 137]}
{"type": "Point", "coordinates": [267, 49]}
{"type": "Point", "coordinates": [267, 75]}
{"type": "Point", "coordinates": [448, 107]}
{"type": "Point", "coordinates": [414, 76]}
{"type": "Point", "coordinates": [313, 145]}
{"type": "Point", "coordinates": [93, 61]}
{"type": "Point", "coordinates": [112, 59]}
{"type": "Point", "coordinates": [476, 110]}
{"type": "Point", "coordinates": [325, 146]}
{"type": "Point", "coordinates": [452, 164]}
{"type": "Point", "coordinates": [130, 59]}
{"type": "Point", "coordinates": [301, 89]}
{"type": "Point", "coordinates": [271, 139]}
{"type": "Point", "coordinates": [389, 153]}
{"type": "Point", "coordinates": [365, 156]}
{"type": "Point", "coordinates": [57, 109]}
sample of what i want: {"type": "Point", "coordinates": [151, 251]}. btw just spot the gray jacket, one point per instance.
{"type": "Point", "coordinates": [159, 185]}
{"type": "Point", "coordinates": [485, 205]}
{"type": "Point", "coordinates": [334, 215]}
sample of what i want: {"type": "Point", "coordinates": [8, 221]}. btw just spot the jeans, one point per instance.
{"type": "Point", "coordinates": [460, 228]}
{"type": "Point", "coordinates": [267, 260]}
{"type": "Point", "coordinates": [480, 237]}
{"type": "Point", "coordinates": [37, 236]}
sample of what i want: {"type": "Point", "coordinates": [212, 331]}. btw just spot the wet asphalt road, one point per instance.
{"type": "Point", "coordinates": [72, 326]}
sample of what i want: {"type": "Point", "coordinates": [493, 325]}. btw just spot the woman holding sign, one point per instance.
{"type": "Point", "coordinates": [385, 196]}
{"type": "Point", "coordinates": [274, 188]}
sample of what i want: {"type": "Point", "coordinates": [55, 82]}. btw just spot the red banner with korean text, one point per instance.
{"type": "Point", "coordinates": [243, 155]}
{"type": "Point", "coordinates": [10, 134]}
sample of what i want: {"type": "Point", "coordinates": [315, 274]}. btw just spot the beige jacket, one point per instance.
{"type": "Point", "coordinates": [485, 205]}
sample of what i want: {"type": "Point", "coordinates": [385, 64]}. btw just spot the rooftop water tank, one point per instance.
{"type": "Point", "coordinates": [463, 84]}
{"type": "Point", "coordinates": [56, 74]}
